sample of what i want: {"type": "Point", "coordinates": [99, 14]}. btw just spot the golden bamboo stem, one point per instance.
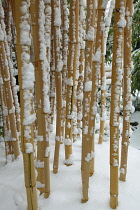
{"type": "Point", "coordinates": [52, 74]}
{"type": "Point", "coordinates": [95, 77]}
{"type": "Point", "coordinates": [26, 96]}
{"type": "Point", "coordinates": [127, 90]}
{"type": "Point", "coordinates": [71, 77]}
{"type": "Point", "coordinates": [6, 125]}
{"type": "Point", "coordinates": [81, 67]}
{"type": "Point", "coordinates": [119, 23]}
{"type": "Point", "coordinates": [8, 93]}
{"type": "Point", "coordinates": [38, 91]}
{"type": "Point", "coordinates": [58, 79]}
{"type": "Point", "coordinates": [86, 145]}
{"type": "Point", "coordinates": [7, 43]}
{"type": "Point", "coordinates": [64, 27]}
{"type": "Point", "coordinates": [103, 80]}
{"type": "Point", "coordinates": [47, 28]}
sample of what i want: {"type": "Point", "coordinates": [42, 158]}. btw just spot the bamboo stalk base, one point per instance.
{"type": "Point", "coordinates": [84, 200]}
{"type": "Point", "coordinates": [122, 177]}
{"type": "Point", "coordinates": [68, 164]}
{"type": "Point", "coordinates": [32, 198]}
{"type": "Point", "coordinates": [91, 174]}
{"type": "Point", "coordinates": [113, 201]}
{"type": "Point", "coordinates": [46, 194]}
{"type": "Point", "coordinates": [55, 170]}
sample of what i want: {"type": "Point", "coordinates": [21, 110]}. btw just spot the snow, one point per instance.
{"type": "Point", "coordinates": [135, 138]}
{"type": "Point", "coordinates": [90, 34]}
{"type": "Point", "coordinates": [66, 186]}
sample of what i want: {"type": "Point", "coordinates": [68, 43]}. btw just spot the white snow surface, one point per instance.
{"type": "Point", "coordinates": [66, 187]}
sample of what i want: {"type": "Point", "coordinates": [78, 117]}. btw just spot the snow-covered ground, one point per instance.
{"type": "Point", "coordinates": [66, 185]}
{"type": "Point", "coordinates": [135, 139]}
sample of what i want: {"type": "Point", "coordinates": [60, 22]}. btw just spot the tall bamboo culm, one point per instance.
{"type": "Point", "coordinates": [6, 125]}
{"type": "Point", "coordinates": [58, 80]}
{"type": "Point", "coordinates": [38, 63]}
{"type": "Point", "coordinates": [71, 78]}
{"type": "Point", "coordinates": [82, 6]}
{"type": "Point", "coordinates": [64, 28]}
{"type": "Point", "coordinates": [103, 76]}
{"type": "Point", "coordinates": [86, 144]}
{"type": "Point", "coordinates": [20, 11]}
{"type": "Point", "coordinates": [126, 89]}
{"type": "Point", "coordinates": [119, 24]}
{"type": "Point", "coordinates": [7, 88]}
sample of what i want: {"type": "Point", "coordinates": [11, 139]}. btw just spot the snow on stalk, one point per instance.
{"type": "Point", "coordinates": [64, 28]}
{"type": "Point", "coordinates": [26, 84]}
{"type": "Point", "coordinates": [126, 89]}
{"type": "Point", "coordinates": [103, 76]}
{"type": "Point", "coordinates": [58, 80]}
{"type": "Point", "coordinates": [86, 146]}
{"type": "Point", "coordinates": [119, 24]}
{"type": "Point", "coordinates": [81, 65]}
{"type": "Point", "coordinates": [6, 125]}
{"type": "Point", "coordinates": [71, 78]}
{"type": "Point", "coordinates": [7, 86]}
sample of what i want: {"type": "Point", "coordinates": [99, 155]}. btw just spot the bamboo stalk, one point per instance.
{"type": "Point", "coordinates": [52, 74]}
{"type": "Point", "coordinates": [58, 80]}
{"type": "Point", "coordinates": [71, 78]}
{"type": "Point", "coordinates": [103, 77]}
{"type": "Point", "coordinates": [35, 6]}
{"type": "Point", "coordinates": [64, 28]}
{"type": "Point", "coordinates": [8, 92]}
{"type": "Point", "coordinates": [47, 28]}
{"type": "Point", "coordinates": [7, 43]}
{"type": "Point", "coordinates": [6, 125]}
{"type": "Point", "coordinates": [86, 144]}
{"type": "Point", "coordinates": [81, 66]}
{"type": "Point", "coordinates": [127, 90]}
{"type": "Point", "coordinates": [26, 83]}
{"type": "Point", "coordinates": [119, 23]}
{"type": "Point", "coordinates": [95, 77]}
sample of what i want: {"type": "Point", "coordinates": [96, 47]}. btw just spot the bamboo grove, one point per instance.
{"type": "Point", "coordinates": [59, 50]}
